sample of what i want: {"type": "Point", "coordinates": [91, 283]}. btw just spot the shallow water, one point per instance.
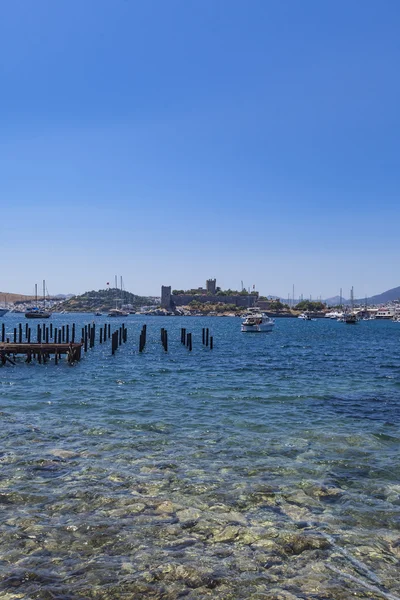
{"type": "Point", "coordinates": [267, 468]}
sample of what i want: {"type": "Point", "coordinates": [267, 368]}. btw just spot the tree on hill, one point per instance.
{"type": "Point", "coordinates": [309, 305]}
{"type": "Point", "coordinates": [277, 305]}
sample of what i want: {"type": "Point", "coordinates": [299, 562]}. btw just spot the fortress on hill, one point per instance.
{"type": "Point", "coordinates": [211, 293]}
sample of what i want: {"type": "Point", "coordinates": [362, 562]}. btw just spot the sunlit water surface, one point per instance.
{"type": "Point", "coordinates": [267, 468]}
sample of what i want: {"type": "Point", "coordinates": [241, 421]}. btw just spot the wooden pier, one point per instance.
{"type": "Point", "coordinates": [40, 352]}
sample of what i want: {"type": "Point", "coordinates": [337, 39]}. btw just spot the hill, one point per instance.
{"type": "Point", "coordinates": [384, 298]}
{"type": "Point", "coordinates": [8, 297]}
{"type": "Point", "coordinates": [388, 296]}
{"type": "Point", "coordinates": [335, 301]}
{"type": "Point", "coordinates": [103, 300]}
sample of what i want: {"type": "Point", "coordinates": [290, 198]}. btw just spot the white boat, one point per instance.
{"type": "Point", "coordinates": [305, 317]}
{"type": "Point", "coordinates": [257, 323]}
{"type": "Point", "coordinates": [3, 311]}
{"type": "Point", "coordinates": [333, 315]}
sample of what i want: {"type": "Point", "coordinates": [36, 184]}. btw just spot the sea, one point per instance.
{"type": "Point", "coordinates": [265, 468]}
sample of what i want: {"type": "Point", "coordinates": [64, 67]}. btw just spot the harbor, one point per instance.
{"type": "Point", "coordinates": [184, 466]}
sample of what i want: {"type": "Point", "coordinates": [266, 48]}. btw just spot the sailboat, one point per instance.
{"type": "Point", "coordinates": [351, 318]}
{"type": "Point", "coordinates": [36, 312]}
{"type": "Point", "coordinates": [118, 312]}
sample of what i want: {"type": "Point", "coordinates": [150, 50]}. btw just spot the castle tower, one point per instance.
{"type": "Point", "coordinates": [166, 297]}
{"type": "Point", "coordinates": [211, 286]}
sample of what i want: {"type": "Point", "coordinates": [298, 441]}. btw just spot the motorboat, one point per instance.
{"type": "Point", "coordinates": [98, 314]}
{"type": "Point", "coordinates": [305, 317]}
{"type": "Point", "coordinates": [257, 323]}
{"type": "Point", "coordinates": [333, 315]}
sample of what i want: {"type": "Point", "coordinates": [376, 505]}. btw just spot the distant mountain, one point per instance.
{"type": "Point", "coordinates": [335, 301]}
{"type": "Point", "coordinates": [389, 296]}
{"type": "Point", "coordinates": [384, 298]}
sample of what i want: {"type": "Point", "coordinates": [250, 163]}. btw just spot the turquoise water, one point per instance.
{"type": "Point", "coordinates": [267, 468]}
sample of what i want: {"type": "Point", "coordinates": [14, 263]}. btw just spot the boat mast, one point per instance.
{"type": "Point", "coordinates": [116, 293]}
{"type": "Point", "coordinates": [44, 294]}
{"type": "Point", "coordinates": [36, 294]}
{"type": "Point", "coordinates": [122, 294]}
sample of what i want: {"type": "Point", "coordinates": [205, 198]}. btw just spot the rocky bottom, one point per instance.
{"type": "Point", "coordinates": [161, 535]}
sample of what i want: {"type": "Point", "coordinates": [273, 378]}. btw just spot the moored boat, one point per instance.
{"type": "Point", "coordinates": [3, 311]}
{"type": "Point", "coordinates": [116, 312]}
{"type": "Point", "coordinates": [257, 323]}
{"type": "Point", "coordinates": [36, 312]}
{"type": "Point", "coordinates": [351, 318]}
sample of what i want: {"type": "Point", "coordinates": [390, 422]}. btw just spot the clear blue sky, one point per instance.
{"type": "Point", "coordinates": [171, 141]}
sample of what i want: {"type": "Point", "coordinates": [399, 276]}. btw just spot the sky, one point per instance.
{"type": "Point", "coordinates": [173, 141]}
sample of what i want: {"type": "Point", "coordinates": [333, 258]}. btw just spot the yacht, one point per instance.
{"type": "Point", "coordinates": [257, 323]}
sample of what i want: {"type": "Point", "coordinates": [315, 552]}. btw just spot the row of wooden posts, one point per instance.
{"type": "Point", "coordinates": [49, 338]}
{"type": "Point", "coordinates": [207, 339]}
{"type": "Point", "coordinates": [61, 335]}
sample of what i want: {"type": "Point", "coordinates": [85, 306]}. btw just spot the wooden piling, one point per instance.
{"type": "Point", "coordinates": [207, 336]}
{"type": "Point", "coordinates": [67, 334]}
{"type": "Point", "coordinates": [211, 342]}
{"type": "Point", "coordinates": [3, 332]}
{"type": "Point", "coordinates": [101, 335]}
{"type": "Point", "coordinates": [204, 335]}
{"type": "Point", "coordinates": [15, 335]}
{"type": "Point", "coordinates": [20, 333]}
{"type": "Point", "coordinates": [39, 334]}
{"type": "Point", "coordinates": [73, 333]}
